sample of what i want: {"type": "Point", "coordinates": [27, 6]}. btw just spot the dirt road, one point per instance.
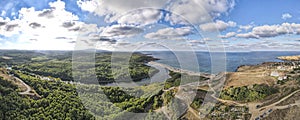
{"type": "Point", "coordinates": [28, 88]}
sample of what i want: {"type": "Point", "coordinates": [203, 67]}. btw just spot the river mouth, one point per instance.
{"type": "Point", "coordinates": [160, 76]}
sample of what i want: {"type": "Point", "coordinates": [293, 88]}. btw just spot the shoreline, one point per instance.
{"type": "Point", "coordinates": [179, 70]}
{"type": "Point", "coordinates": [289, 58]}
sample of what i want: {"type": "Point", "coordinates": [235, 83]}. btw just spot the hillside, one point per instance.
{"type": "Point", "coordinates": [290, 58]}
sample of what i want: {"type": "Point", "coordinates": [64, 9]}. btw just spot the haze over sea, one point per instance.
{"type": "Point", "coordinates": [233, 59]}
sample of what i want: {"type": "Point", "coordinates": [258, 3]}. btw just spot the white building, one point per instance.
{"type": "Point", "coordinates": [274, 74]}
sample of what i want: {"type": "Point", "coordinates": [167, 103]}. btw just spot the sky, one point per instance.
{"type": "Point", "coordinates": [214, 25]}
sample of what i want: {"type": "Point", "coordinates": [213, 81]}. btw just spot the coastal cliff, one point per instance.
{"type": "Point", "coordinates": [289, 58]}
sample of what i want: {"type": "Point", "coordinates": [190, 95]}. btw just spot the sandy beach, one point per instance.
{"type": "Point", "coordinates": [188, 72]}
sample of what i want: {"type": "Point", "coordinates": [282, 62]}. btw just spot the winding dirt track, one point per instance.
{"type": "Point", "coordinates": [28, 88]}
{"type": "Point", "coordinates": [273, 106]}
{"type": "Point", "coordinates": [256, 112]}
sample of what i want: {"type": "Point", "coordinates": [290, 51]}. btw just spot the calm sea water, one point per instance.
{"type": "Point", "coordinates": [232, 59]}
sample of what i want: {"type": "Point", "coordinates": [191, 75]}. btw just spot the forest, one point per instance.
{"type": "Point", "coordinates": [61, 99]}
{"type": "Point", "coordinates": [248, 93]}
{"type": "Point", "coordinates": [81, 102]}
{"type": "Point", "coordinates": [108, 66]}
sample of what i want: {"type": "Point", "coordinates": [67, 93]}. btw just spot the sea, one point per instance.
{"type": "Point", "coordinates": [216, 62]}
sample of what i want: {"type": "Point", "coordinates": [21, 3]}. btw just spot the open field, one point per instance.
{"type": "Point", "coordinates": [238, 79]}
{"type": "Point", "coordinates": [266, 73]}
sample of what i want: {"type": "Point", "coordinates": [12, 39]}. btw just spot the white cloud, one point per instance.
{"type": "Point", "coordinates": [247, 35]}
{"type": "Point", "coordinates": [245, 27]}
{"type": "Point", "coordinates": [276, 30]}
{"type": "Point", "coordinates": [286, 16]}
{"type": "Point", "coordinates": [197, 42]}
{"type": "Point", "coordinates": [199, 11]}
{"type": "Point", "coordinates": [121, 31]}
{"type": "Point", "coordinates": [170, 33]}
{"type": "Point", "coordinates": [195, 11]}
{"type": "Point", "coordinates": [113, 9]}
{"type": "Point", "coordinates": [87, 5]}
{"type": "Point", "coordinates": [141, 17]}
{"type": "Point", "coordinates": [3, 13]}
{"type": "Point", "coordinates": [228, 35]}
{"type": "Point", "coordinates": [218, 25]}
{"type": "Point", "coordinates": [52, 28]}
{"type": "Point", "coordinates": [266, 31]}
{"type": "Point", "coordinates": [207, 39]}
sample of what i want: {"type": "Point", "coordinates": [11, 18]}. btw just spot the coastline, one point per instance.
{"type": "Point", "coordinates": [289, 58]}
{"type": "Point", "coordinates": [179, 70]}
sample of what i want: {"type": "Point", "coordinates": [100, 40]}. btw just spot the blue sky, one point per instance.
{"type": "Point", "coordinates": [264, 12]}
{"type": "Point", "coordinates": [233, 25]}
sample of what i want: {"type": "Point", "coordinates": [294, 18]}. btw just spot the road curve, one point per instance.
{"type": "Point", "coordinates": [28, 88]}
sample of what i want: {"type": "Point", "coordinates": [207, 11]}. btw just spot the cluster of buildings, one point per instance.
{"type": "Point", "coordinates": [230, 112]}
{"type": "Point", "coordinates": [280, 70]}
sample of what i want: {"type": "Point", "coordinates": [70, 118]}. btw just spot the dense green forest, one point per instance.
{"type": "Point", "coordinates": [59, 65]}
{"type": "Point", "coordinates": [176, 79]}
{"type": "Point", "coordinates": [60, 99]}
{"type": "Point", "coordinates": [83, 101]}
{"type": "Point", "coordinates": [247, 93]}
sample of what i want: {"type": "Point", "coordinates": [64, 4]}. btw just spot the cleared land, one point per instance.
{"type": "Point", "coordinates": [256, 74]}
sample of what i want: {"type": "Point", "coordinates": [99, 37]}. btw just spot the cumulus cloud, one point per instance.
{"type": "Point", "coordinates": [101, 39]}
{"type": "Point", "coordinates": [113, 9]}
{"type": "Point", "coordinates": [94, 37]}
{"type": "Point", "coordinates": [48, 13]}
{"type": "Point", "coordinates": [11, 27]}
{"type": "Point", "coordinates": [123, 43]}
{"type": "Point", "coordinates": [3, 13]}
{"type": "Point", "coordinates": [170, 33]}
{"type": "Point", "coordinates": [199, 11]}
{"type": "Point", "coordinates": [207, 39]}
{"type": "Point", "coordinates": [43, 29]}
{"type": "Point", "coordinates": [197, 42]}
{"type": "Point", "coordinates": [286, 16]}
{"type": "Point", "coordinates": [2, 23]}
{"type": "Point", "coordinates": [269, 31]}
{"type": "Point", "coordinates": [266, 31]}
{"type": "Point", "coordinates": [30, 19]}
{"type": "Point", "coordinates": [68, 24]}
{"type": "Point", "coordinates": [141, 17]}
{"type": "Point", "coordinates": [245, 27]}
{"type": "Point", "coordinates": [247, 35]}
{"type": "Point", "coordinates": [217, 26]}
{"type": "Point", "coordinates": [228, 35]}
{"type": "Point", "coordinates": [195, 11]}
{"type": "Point", "coordinates": [35, 25]}
{"type": "Point", "coordinates": [120, 31]}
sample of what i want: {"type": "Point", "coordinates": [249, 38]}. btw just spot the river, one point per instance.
{"type": "Point", "coordinates": [160, 76]}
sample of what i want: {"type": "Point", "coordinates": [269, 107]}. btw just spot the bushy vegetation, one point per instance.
{"type": "Point", "coordinates": [173, 81]}
{"type": "Point", "coordinates": [59, 101]}
{"type": "Point", "coordinates": [59, 65]}
{"type": "Point", "coordinates": [176, 79]}
{"type": "Point", "coordinates": [198, 100]}
{"type": "Point", "coordinates": [247, 94]}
